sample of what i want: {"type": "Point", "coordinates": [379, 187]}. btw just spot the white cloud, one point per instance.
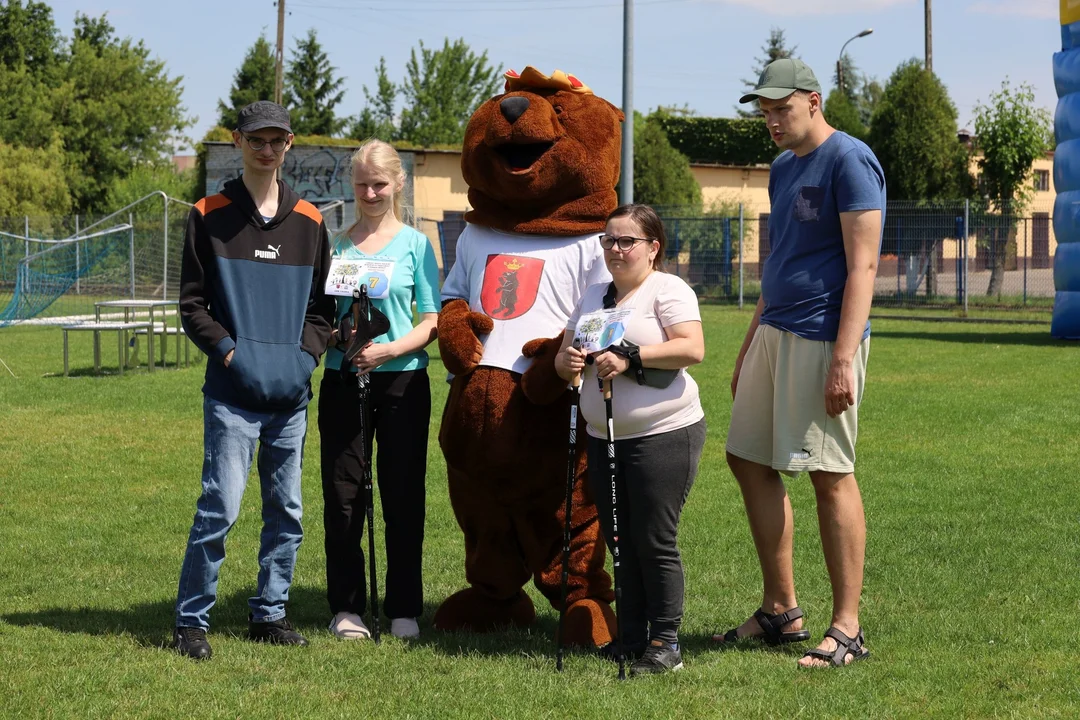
{"type": "Point", "coordinates": [819, 7]}
{"type": "Point", "coordinates": [1043, 9]}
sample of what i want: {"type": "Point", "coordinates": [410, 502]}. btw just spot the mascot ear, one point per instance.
{"type": "Point", "coordinates": [618, 113]}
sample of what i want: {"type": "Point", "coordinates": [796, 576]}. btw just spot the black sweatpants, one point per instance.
{"type": "Point", "coordinates": [653, 476]}
{"type": "Point", "coordinates": [399, 412]}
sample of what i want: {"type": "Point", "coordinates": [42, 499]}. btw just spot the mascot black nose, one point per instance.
{"type": "Point", "coordinates": [514, 107]}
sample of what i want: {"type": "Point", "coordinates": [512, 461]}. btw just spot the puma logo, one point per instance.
{"type": "Point", "coordinates": [271, 253]}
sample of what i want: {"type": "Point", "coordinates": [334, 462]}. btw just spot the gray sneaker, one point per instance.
{"type": "Point", "coordinates": [657, 659]}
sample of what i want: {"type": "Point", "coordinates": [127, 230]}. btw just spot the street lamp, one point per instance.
{"type": "Point", "coordinates": [840, 60]}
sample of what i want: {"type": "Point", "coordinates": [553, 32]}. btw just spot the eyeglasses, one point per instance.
{"type": "Point", "coordinates": [625, 243]}
{"type": "Point", "coordinates": [257, 144]}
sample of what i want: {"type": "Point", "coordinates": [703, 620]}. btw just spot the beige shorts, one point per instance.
{"type": "Point", "coordinates": [779, 419]}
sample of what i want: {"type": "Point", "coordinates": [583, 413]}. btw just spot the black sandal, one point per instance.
{"type": "Point", "coordinates": [844, 646]}
{"type": "Point", "coordinates": [771, 634]}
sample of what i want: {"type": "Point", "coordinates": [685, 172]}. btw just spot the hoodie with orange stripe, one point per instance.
{"type": "Point", "coordinates": [257, 288]}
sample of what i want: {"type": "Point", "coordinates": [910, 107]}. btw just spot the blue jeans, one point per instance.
{"type": "Point", "coordinates": [230, 435]}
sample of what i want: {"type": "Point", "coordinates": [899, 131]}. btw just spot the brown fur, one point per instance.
{"type": "Point", "coordinates": [504, 435]}
{"type": "Point", "coordinates": [571, 188]}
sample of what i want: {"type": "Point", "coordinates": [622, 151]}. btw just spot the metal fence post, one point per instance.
{"type": "Point", "coordinates": [26, 233]}
{"type": "Point", "coordinates": [131, 223]}
{"type": "Point", "coordinates": [967, 231]}
{"type": "Point", "coordinates": [165, 277]}
{"type": "Point", "coordinates": [1026, 230]}
{"type": "Point", "coordinates": [726, 267]}
{"type": "Point", "coordinates": [741, 238]}
{"type": "Point", "coordinates": [78, 268]}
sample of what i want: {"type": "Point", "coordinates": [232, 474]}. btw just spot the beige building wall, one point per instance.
{"type": "Point", "coordinates": [438, 188]}
{"type": "Point", "coordinates": [728, 186]}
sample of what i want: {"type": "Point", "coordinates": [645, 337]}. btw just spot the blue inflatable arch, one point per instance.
{"type": "Point", "coordinates": [1066, 318]}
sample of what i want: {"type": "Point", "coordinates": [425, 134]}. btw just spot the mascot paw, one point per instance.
{"type": "Point", "coordinates": [540, 383]}
{"type": "Point", "coordinates": [590, 623]}
{"type": "Point", "coordinates": [459, 344]}
{"type": "Point", "coordinates": [469, 610]}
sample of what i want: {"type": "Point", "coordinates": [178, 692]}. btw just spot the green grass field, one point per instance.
{"type": "Point", "coordinates": [967, 460]}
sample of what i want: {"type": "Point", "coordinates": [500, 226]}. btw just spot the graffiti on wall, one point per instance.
{"type": "Point", "coordinates": [318, 173]}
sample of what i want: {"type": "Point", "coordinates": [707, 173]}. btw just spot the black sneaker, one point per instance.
{"type": "Point", "coordinates": [278, 632]}
{"type": "Point", "coordinates": [191, 642]}
{"type": "Point", "coordinates": [657, 659]}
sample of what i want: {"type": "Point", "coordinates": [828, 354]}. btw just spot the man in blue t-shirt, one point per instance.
{"type": "Point", "coordinates": [800, 373]}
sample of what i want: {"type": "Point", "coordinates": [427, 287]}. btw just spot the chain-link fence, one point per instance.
{"type": "Point", "coordinates": [933, 255]}
{"type": "Point", "coordinates": [54, 269]}
{"type": "Point", "coordinates": [942, 255]}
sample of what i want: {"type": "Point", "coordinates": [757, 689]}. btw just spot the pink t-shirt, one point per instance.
{"type": "Point", "coordinates": [661, 301]}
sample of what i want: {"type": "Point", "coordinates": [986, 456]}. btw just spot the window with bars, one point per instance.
{"type": "Point", "coordinates": [1042, 180]}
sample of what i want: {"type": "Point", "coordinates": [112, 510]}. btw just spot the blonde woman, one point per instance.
{"type": "Point", "coordinates": [402, 261]}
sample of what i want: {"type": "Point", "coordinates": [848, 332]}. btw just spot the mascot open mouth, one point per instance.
{"type": "Point", "coordinates": [521, 157]}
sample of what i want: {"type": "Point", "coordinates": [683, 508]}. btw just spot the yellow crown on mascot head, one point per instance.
{"type": "Point", "coordinates": [531, 78]}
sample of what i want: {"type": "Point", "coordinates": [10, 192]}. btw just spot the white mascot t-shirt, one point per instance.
{"type": "Point", "coordinates": [528, 285]}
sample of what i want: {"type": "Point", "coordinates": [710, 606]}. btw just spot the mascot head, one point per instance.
{"type": "Point", "coordinates": [543, 157]}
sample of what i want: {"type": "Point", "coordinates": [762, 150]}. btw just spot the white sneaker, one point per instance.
{"type": "Point", "coordinates": [404, 628]}
{"type": "Point", "coordinates": [349, 626]}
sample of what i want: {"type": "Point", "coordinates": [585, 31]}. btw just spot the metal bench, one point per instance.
{"type": "Point", "coordinates": [166, 331]}
{"type": "Point", "coordinates": [121, 329]}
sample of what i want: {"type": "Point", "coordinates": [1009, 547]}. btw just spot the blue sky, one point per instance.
{"type": "Point", "coordinates": [687, 52]}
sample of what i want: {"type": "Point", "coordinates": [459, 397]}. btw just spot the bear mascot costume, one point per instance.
{"type": "Point", "coordinates": [541, 162]}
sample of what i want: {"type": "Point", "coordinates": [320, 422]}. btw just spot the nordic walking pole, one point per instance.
{"type": "Point", "coordinates": [605, 386]}
{"type": "Point", "coordinates": [571, 467]}
{"type": "Point", "coordinates": [363, 383]}
{"type": "Point", "coordinates": [364, 386]}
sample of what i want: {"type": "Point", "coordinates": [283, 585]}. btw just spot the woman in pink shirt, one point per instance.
{"type": "Point", "coordinates": [641, 332]}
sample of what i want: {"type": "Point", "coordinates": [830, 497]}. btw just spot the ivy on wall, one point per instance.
{"type": "Point", "coordinates": [722, 141]}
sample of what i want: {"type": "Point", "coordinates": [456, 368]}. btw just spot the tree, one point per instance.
{"type": "Point", "coordinates": [843, 114]}
{"type": "Point", "coordinates": [913, 134]}
{"type": "Point", "coordinates": [26, 116]}
{"type": "Point", "coordinates": [851, 77]}
{"type": "Point", "coordinates": [774, 48]}
{"type": "Point", "coordinates": [442, 88]}
{"type": "Point", "coordinates": [870, 93]}
{"type": "Point", "coordinates": [32, 181]}
{"type": "Point", "coordinates": [30, 54]}
{"type": "Point", "coordinates": [312, 90]}
{"type": "Point", "coordinates": [28, 37]}
{"type": "Point", "coordinates": [377, 117]}
{"type": "Point", "coordinates": [115, 108]}
{"type": "Point", "coordinates": [1011, 133]}
{"type": "Point", "coordinates": [662, 175]}
{"type": "Point", "coordinates": [254, 80]}
{"type": "Point", "coordinates": [146, 179]}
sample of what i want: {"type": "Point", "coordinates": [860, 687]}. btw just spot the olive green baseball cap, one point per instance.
{"type": "Point", "coordinates": [782, 77]}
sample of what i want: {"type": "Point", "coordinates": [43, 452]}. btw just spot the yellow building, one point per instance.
{"type": "Point", "coordinates": [440, 193]}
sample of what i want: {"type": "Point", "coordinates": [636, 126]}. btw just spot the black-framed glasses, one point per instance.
{"type": "Point", "coordinates": [626, 243]}
{"type": "Point", "coordinates": [257, 144]}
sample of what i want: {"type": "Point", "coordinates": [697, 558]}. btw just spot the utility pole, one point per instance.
{"type": "Point", "coordinates": [626, 186]}
{"type": "Point", "coordinates": [279, 57]}
{"type": "Point", "coordinates": [929, 38]}
{"type": "Point", "coordinates": [931, 260]}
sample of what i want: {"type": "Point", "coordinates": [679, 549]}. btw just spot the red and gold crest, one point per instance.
{"type": "Point", "coordinates": [510, 285]}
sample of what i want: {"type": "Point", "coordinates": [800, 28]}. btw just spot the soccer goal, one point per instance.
{"type": "Point", "coordinates": [132, 253]}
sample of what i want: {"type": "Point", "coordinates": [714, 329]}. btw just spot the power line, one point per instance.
{"type": "Point", "coordinates": [440, 6]}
